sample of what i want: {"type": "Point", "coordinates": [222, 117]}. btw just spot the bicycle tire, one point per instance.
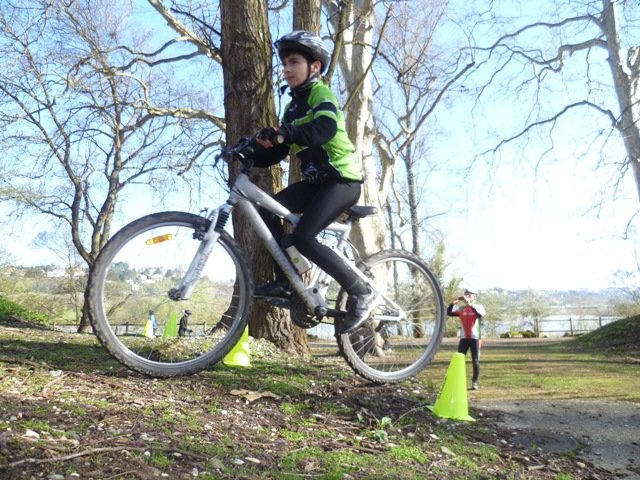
{"type": "Point", "coordinates": [390, 352]}
{"type": "Point", "coordinates": [133, 275]}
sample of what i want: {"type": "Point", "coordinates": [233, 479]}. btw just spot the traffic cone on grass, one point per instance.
{"type": "Point", "coordinates": [171, 327]}
{"type": "Point", "coordinates": [148, 330]}
{"type": "Point", "coordinates": [239, 355]}
{"type": "Point", "coordinates": [452, 400]}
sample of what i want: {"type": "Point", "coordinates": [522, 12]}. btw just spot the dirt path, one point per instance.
{"type": "Point", "coordinates": [605, 433]}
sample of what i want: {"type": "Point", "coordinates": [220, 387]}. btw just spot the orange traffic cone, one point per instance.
{"type": "Point", "coordinates": [452, 400]}
{"type": "Point", "coordinates": [239, 355]}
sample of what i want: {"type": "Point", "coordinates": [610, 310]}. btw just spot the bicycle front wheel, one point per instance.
{"type": "Point", "coordinates": [129, 304]}
{"type": "Point", "coordinates": [405, 329]}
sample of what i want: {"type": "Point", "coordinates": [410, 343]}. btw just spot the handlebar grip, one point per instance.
{"type": "Point", "coordinates": [270, 134]}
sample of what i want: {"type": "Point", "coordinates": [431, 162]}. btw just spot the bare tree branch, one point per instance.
{"type": "Point", "coordinates": [186, 33]}
{"type": "Point", "coordinates": [553, 119]}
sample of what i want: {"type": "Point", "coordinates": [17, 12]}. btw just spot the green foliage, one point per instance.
{"type": "Point", "coordinates": [626, 309]}
{"type": "Point", "coordinates": [564, 476]}
{"type": "Point", "coordinates": [535, 305]}
{"type": "Point", "coordinates": [291, 435]}
{"type": "Point", "coordinates": [403, 453]}
{"type": "Point", "coordinates": [10, 309]}
{"type": "Point", "coordinates": [613, 336]}
{"type": "Point", "coordinates": [160, 460]}
{"type": "Point", "coordinates": [176, 425]}
{"type": "Point", "coordinates": [57, 298]}
{"type": "Point", "coordinates": [439, 265]}
{"type": "Point", "coordinates": [380, 433]}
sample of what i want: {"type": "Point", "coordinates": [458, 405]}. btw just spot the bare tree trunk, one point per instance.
{"type": "Point", "coordinates": [249, 106]}
{"type": "Point", "coordinates": [85, 324]}
{"type": "Point", "coordinates": [413, 200]}
{"type": "Point", "coordinates": [625, 73]}
{"type": "Point", "coordinates": [355, 61]}
{"type": "Point", "coordinates": [306, 15]}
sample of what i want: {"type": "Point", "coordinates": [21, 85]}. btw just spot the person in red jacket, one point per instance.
{"type": "Point", "coordinates": [470, 314]}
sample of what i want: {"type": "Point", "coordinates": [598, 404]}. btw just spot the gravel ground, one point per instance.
{"type": "Point", "coordinates": [606, 433]}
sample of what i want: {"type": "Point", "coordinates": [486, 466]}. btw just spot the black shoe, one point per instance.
{"type": "Point", "coordinates": [274, 289]}
{"type": "Point", "coordinates": [359, 308]}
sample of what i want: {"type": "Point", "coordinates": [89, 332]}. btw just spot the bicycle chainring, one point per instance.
{"type": "Point", "coordinates": [299, 313]}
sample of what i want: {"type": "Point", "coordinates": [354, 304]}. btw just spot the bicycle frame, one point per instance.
{"type": "Point", "coordinates": [406, 312]}
{"type": "Point", "coordinates": [246, 195]}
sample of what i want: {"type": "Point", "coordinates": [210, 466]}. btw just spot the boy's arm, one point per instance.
{"type": "Point", "coordinates": [450, 311]}
{"type": "Point", "coordinates": [265, 157]}
{"type": "Point", "coordinates": [318, 131]}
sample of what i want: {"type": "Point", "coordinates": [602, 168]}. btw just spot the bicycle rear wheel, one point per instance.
{"type": "Point", "coordinates": [406, 328]}
{"type": "Point", "coordinates": [132, 277]}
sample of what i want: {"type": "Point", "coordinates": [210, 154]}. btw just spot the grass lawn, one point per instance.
{"type": "Point", "coordinates": [68, 410]}
{"type": "Point", "coordinates": [537, 368]}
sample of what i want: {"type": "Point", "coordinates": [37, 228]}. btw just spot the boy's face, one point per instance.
{"type": "Point", "coordinates": [296, 69]}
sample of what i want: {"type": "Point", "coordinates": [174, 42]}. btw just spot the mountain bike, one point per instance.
{"type": "Point", "coordinates": [173, 261]}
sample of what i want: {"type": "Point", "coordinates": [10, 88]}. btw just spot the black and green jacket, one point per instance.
{"type": "Point", "coordinates": [314, 131]}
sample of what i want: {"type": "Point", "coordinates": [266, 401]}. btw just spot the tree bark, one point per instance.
{"type": "Point", "coordinates": [355, 60]}
{"type": "Point", "coordinates": [306, 15]}
{"type": "Point", "coordinates": [625, 73]}
{"type": "Point", "coordinates": [249, 106]}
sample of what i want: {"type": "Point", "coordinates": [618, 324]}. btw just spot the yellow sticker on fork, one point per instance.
{"type": "Point", "coordinates": [159, 239]}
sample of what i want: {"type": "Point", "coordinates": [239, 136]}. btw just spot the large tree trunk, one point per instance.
{"type": "Point", "coordinates": [306, 16]}
{"type": "Point", "coordinates": [355, 60]}
{"type": "Point", "coordinates": [85, 323]}
{"type": "Point", "coordinates": [249, 106]}
{"type": "Point", "coordinates": [625, 72]}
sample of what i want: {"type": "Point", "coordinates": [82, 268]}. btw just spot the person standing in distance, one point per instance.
{"type": "Point", "coordinates": [154, 322]}
{"type": "Point", "coordinates": [470, 312]}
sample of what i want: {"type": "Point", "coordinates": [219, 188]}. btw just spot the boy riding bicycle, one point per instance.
{"type": "Point", "coordinates": [313, 129]}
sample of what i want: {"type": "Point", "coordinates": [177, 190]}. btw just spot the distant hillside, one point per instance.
{"type": "Point", "coordinates": [622, 336]}
{"type": "Point", "coordinates": [564, 302]}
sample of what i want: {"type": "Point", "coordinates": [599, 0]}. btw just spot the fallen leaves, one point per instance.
{"type": "Point", "coordinates": [252, 396]}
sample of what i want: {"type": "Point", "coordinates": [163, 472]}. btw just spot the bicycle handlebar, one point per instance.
{"type": "Point", "coordinates": [245, 148]}
{"type": "Point", "coordinates": [240, 151]}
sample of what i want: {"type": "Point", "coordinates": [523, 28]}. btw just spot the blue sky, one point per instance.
{"type": "Point", "coordinates": [515, 223]}
{"type": "Point", "coordinates": [527, 217]}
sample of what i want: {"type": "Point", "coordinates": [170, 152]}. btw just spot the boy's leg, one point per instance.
{"type": "Point", "coordinates": [294, 197]}
{"type": "Point", "coordinates": [328, 202]}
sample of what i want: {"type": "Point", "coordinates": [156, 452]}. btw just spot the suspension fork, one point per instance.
{"type": "Point", "coordinates": [217, 220]}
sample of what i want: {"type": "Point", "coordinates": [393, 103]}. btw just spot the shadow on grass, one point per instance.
{"type": "Point", "coordinates": [60, 355]}
{"type": "Point", "coordinates": [86, 355]}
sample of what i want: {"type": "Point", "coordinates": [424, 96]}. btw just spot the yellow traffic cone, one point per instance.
{"type": "Point", "coordinates": [148, 330]}
{"type": "Point", "coordinates": [239, 355]}
{"type": "Point", "coordinates": [452, 399]}
{"type": "Point", "coordinates": [171, 327]}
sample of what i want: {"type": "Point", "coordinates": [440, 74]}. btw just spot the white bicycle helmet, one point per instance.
{"type": "Point", "coordinates": [306, 43]}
